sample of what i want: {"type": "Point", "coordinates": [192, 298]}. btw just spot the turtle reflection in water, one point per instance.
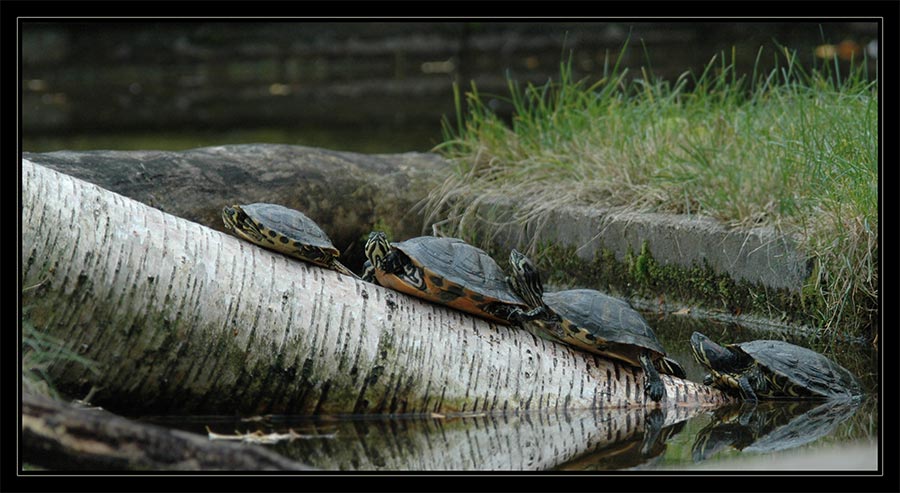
{"type": "Point", "coordinates": [773, 370]}
{"type": "Point", "coordinates": [770, 426]}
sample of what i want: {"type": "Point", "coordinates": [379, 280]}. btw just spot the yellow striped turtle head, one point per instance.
{"type": "Point", "coordinates": [238, 222]}
{"type": "Point", "coordinates": [377, 246]}
{"type": "Point", "coordinates": [525, 280]}
{"type": "Point", "coordinates": [713, 356]}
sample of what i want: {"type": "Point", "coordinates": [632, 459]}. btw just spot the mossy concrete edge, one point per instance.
{"type": "Point", "coordinates": [693, 261]}
{"type": "Point", "coordinates": [759, 255]}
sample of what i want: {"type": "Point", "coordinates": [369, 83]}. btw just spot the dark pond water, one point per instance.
{"type": "Point", "coordinates": [371, 139]}
{"type": "Point", "coordinates": [808, 435]}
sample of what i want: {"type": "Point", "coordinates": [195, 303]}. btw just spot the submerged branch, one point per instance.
{"type": "Point", "coordinates": [65, 437]}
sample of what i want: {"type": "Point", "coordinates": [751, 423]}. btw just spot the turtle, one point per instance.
{"type": "Point", "coordinates": [765, 369]}
{"type": "Point", "coordinates": [447, 271]}
{"type": "Point", "coordinates": [595, 322]}
{"type": "Point", "coordinates": [283, 230]}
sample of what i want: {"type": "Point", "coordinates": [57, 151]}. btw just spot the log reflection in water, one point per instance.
{"type": "Point", "coordinates": [534, 441]}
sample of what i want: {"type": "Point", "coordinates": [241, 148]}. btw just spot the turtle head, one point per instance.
{"type": "Point", "coordinates": [377, 246]}
{"type": "Point", "coordinates": [238, 222]}
{"type": "Point", "coordinates": [525, 280]}
{"type": "Point", "coordinates": [230, 216]}
{"type": "Point", "coordinates": [712, 355]}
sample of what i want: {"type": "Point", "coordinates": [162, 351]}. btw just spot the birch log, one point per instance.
{"type": "Point", "coordinates": [184, 319]}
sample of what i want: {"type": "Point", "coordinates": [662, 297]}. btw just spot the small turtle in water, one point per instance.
{"type": "Point", "coordinates": [595, 322]}
{"type": "Point", "coordinates": [284, 230]}
{"type": "Point", "coordinates": [772, 370]}
{"type": "Point", "coordinates": [447, 271]}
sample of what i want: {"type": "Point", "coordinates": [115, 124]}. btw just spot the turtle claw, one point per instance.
{"type": "Point", "coordinates": [655, 390]}
{"type": "Point", "coordinates": [653, 385]}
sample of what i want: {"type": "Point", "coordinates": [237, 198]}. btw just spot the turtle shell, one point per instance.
{"type": "Point", "coordinates": [803, 367]}
{"type": "Point", "coordinates": [291, 224]}
{"type": "Point", "coordinates": [454, 273]}
{"type": "Point", "coordinates": [605, 319]}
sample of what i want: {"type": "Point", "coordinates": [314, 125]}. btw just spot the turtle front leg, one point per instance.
{"type": "Point", "coordinates": [519, 315]}
{"type": "Point", "coordinates": [747, 389]}
{"type": "Point", "coordinates": [343, 269]}
{"type": "Point", "coordinates": [514, 314]}
{"type": "Point", "coordinates": [368, 273]}
{"type": "Point", "coordinates": [391, 263]}
{"type": "Point", "coordinates": [653, 384]}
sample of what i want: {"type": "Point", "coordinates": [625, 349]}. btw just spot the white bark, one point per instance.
{"type": "Point", "coordinates": [182, 318]}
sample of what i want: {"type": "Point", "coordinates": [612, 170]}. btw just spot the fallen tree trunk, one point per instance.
{"type": "Point", "coordinates": [63, 437]}
{"type": "Point", "coordinates": [184, 319]}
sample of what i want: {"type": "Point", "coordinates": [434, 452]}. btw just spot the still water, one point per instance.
{"type": "Point", "coordinates": [372, 139]}
{"type": "Point", "coordinates": [800, 435]}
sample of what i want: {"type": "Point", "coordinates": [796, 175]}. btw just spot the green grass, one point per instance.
{"type": "Point", "coordinates": [795, 149]}
{"type": "Point", "coordinates": [39, 351]}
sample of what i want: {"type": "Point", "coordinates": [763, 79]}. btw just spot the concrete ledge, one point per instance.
{"type": "Point", "coordinates": [760, 256]}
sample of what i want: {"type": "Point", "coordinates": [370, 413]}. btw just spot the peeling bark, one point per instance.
{"type": "Point", "coordinates": [63, 437]}
{"type": "Point", "coordinates": [185, 319]}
